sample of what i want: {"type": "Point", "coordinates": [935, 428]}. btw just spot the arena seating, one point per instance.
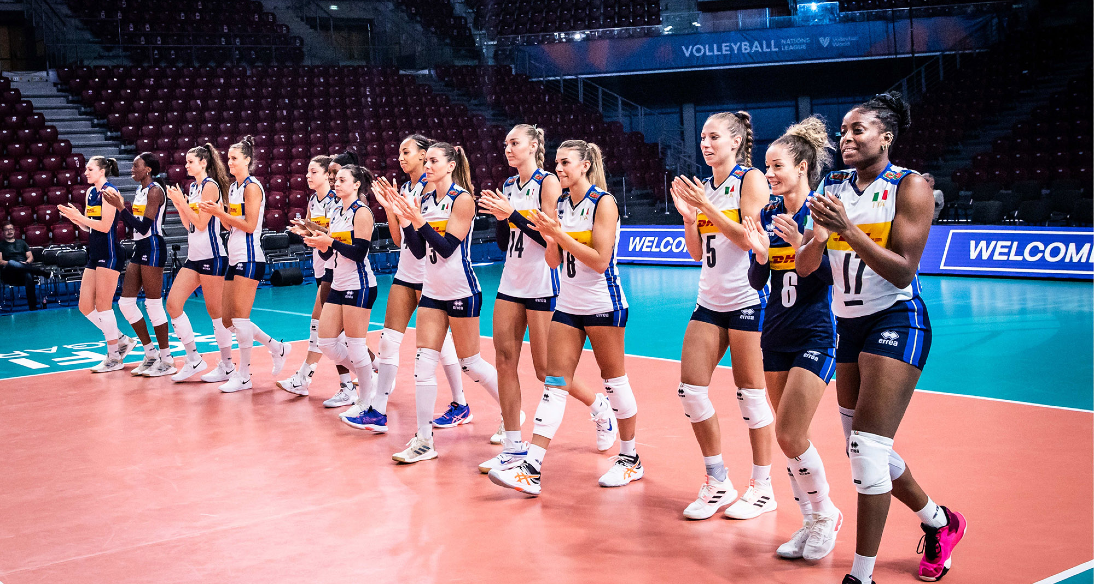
{"type": "Point", "coordinates": [501, 18]}
{"type": "Point", "coordinates": [440, 19]}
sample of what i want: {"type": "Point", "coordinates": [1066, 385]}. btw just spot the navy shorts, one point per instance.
{"type": "Point", "coordinates": [542, 304]}
{"type": "Point", "coordinates": [459, 308]}
{"type": "Point", "coordinates": [405, 284]}
{"type": "Point", "coordinates": [358, 298]}
{"type": "Point", "coordinates": [150, 251]}
{"type": "Point", "coordinates": [820, 362]}
{"type": "Point", "coordinates": [327, 276]}
{"type": "Point", "coordinates": [111, 262]}
{"type": "Point", "coordinates": [208, 267]}
{"type": "Point", "coordinates": [902, 332]}
{"type": "Point", "coordinates": [616, 318]}
{"type": "Point", "coordinates": [750, 319]}
{"type": "Point", "coordinates": [249, 270]}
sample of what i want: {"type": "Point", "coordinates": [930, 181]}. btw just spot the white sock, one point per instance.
{"type": "Point", "coordinates": [165, 354]}
{"type": "Point", "coordinates": [313, 337]}
{"type": "Point", "coordinates": [362, 363]}
{"type": "Point", "coordinates": [761, 474]}
{"type": "Point", "coordinates": [627, 448]}
{"type": "Point", "coordinates": [388, 361]}
{"type": "Point", "coordinates": [149, 351]}
{"type": "Point", "coordinates": [932, 515]}
{"type": "Point", "coordinates": [536, 454]}
{"type": "Point", "coordinates": [344, 378]}
{"type": "Point", "coordinates": [809, 474]}
{"type": "Point", "coordinates": [185, 332]}
{"type": "Point", "coordinates": [452, 370]}
{"type": "Point", "coordinates": [799, 494]}
{"type": "Point", "coordinates": [224, 343]}
{"type": "Point", "coordinates": [715, 467]}
{"type": "Point", "coordinates": [512, 438]}
{"type": "Point", "coordinates": [245, 338]}
{"type": "Point", "coordinates": [600, 404]}
{"type": "Point", "coordinates": [482, 373]}
{"type": "Point", "coordinates": [863, 568]}
{"type": "Point", "coordinates": [425, 390]}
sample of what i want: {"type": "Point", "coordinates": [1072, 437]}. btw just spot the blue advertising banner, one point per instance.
{"type": "Point", "coordinates": [850, 40]}
{"type": "Point", "coordinates": [643, 244]}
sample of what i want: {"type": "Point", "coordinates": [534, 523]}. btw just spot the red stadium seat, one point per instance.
{"type": "Point", "coordinates": [275, 220]}
{"type": "Point", "coordinates": [47, 215]}
{"type": "Point", "coordinates": [32, 197]}
{"type": "Point", "coordinates": [36, 235]}
{"type": "Point", "coordinates": [64, 233]}
{"type": "Point", "coordinates": [21, 216]}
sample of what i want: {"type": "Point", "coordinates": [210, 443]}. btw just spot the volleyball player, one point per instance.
{"type": "Point", "coordinates": [246, 263]}
{"type": "Point", "coordinates": [798, 338]}
{"type": "Point", "coordinates": [728, 314]}
{"type": "Point", "coordinates": [582, 238]}
{"type": "Point", "coordinates": [104, 258]}
{"type": "Point", "coordinates": [145, 269]}
{"type": "Point", "coordinates": [872, 221]}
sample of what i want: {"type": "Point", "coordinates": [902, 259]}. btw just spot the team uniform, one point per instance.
{"type": "Point", "coordinates": [587, 297]}
{"type": "Point", "coordinates": [352, 282]}
{"type": "Point", "coordinates": [245, 256]}
{"type": "Point", "coordinates": [319, 212]}
{"type": "Point", "coordinates": [151, 248]}
{"type": "Point", "coordinates": [411, 270]}
{"type": "Point", "coordinates": [205, 254]}
{"type": "Point", "coordinates": [873, 315]}
{"type": "Point", "coordinates": [450, 283]}
{"type": "Point", "coordinates": [103, 249]}
{"type": "Point", "coordinates": [527, 279]}
{"type": "Point", "coordinates": [726, 299]}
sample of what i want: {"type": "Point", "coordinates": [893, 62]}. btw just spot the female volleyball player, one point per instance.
{"type": "Point", "coordinates": [582, 238]}
{"type": "Point", "coordinates": [145, 269]}
{"type": "Point", "coordinates": [104, 258]}
{"type": "Point", "coordinates": [728, 314]}
{"type": "Point", "coordinates": [873, 222]}
{"type": "Point", "coordinates": [798, 338]}
{"type": "Point", "coordinates": [246, 263]}
{"type": "Point", "coordinates": [440, 230]}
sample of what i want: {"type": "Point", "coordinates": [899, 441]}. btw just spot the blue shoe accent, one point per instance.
{"type": "Point", "coordinates": [455, 415]}
{"type": "Point", "coordinates": [369, 419]}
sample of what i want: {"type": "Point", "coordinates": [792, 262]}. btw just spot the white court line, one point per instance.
{"type": "Point", "coordinates": [1067, 573]}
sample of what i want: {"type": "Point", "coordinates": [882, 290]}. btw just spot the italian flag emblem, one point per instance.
{"type": "Point", "coordinates": [882, 196]}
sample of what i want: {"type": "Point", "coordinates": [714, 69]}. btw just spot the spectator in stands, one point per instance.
{"type": "Point", "coordinates": [16, 264]}
{"type": "Point", "coordinates": [939, 198]}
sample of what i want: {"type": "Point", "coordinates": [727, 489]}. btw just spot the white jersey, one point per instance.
{"type": "Point", "coordinates": [411, 269]}
{"type": "Point", "coordinates": [319, 212]}
{"type": "Point", "coordinates": [203, 244]}
{"type": "Point", "coordinates": [348, 274]}
{"type": "Point", "coordinates": [448, 278]}
{"type": "Point", "coordinates": [723, 281]}
{"type": "Point", "coordinates": [526, 273]}
{"type": "Point", "coordinates": [243, 246]}
{"type": "Point", "coordinates": [140, 202]}
{"type": "Point", "coordinates": [583, 290]}
{"type": "Point", "coordinates": [857, 289]}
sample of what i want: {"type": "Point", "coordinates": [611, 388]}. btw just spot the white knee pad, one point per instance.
{"type": "Point", "coordinates": [475, 368]}
{"type": "Point", "coordinates": [621, 397]}
{"type": "Point", "coordinates": [448, 351]}
{"type": "Point", "coordinates": [896, 465]}
{"type": "Point", "coordinates": [156, 314]}
{"type": "Point", "coordinates": [870, 462]}
{"type": "Point", "coordinates": [389, 347]}
{"type": "Point", "coordinates": [222, 335]}
{"type": "Point", "coordinates": [550, 411]}
{"type": "Point", "coordinates": [335, 350]}
{"type": "Point", "coordinates": [129, 309]}
{"type": "Point", "coordinates": [110, 325]}
{"type": "Point", "coordinates": [754, 407]}
{"type": "Point", "coordinates": [697, 405]}
{"type": "Point", "coordinates": [358, 353]}
{"type": "Point", "coordinates": [183, 329]}
{"type": "Point", "coordinates": [425, 367]}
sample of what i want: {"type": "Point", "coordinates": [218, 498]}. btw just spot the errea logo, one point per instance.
{"type": "Point", "coordinates": [889, 338]}
{"type": "Point", "coordinates": [748, 314]}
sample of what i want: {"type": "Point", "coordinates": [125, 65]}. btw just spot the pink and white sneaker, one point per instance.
{"type": "Point", "coordinates": [937, 546]}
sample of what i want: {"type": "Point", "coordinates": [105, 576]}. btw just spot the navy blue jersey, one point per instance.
{"type": "Point", "coordinates": [100, 244]}
{"type": "Point", "coordinates": [799, 310]}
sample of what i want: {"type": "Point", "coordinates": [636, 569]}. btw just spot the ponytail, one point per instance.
{"type": "Point", "coordinates": [740, 125]}
{"type": "Point", "coordinates": [246, 147]}
{"type": "Point", "coordinates": [214, 166]}
{"type": "Point", "coordinates": [346, 158]}
{"type": "Point", "coordinates": [109, 165]}
{"type": "Point", "coordinates": [591, 152]}
{"type": "Point", "coordinates": [536, 135]}
{"type": "Point", "coordinates": [461, 175]}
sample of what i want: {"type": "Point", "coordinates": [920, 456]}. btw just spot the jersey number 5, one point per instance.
{"type": "Point", "coordinates": [432, 255]}
{"type": "Point", "coordinates": [712, 256]}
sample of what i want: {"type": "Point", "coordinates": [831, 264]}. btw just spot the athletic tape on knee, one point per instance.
{"type": "Point", "coordinates": [448, 351]}
{"type": "Point", "coordinates": [550, 411]}
{"type": "Point", "coordinates": [129, 309]}
{"type": "Point", "coordinates": [697, 405]}
{"type": "Point", "coordinates": [896, 465]}
{"type": "Point", "coordinates": [754, 407]}
{"type": "Point", "coordinates": [389, 347]}
{"type": "Point", "coordinates": [555, 381]}
{"type": "Point", "coordinates": [425, 367]}
{"type": "Point", "coordinates": [621, 397]}
{"type": "Point", "coordinates": [183, 330]}
{"type": "Point", "coordinates": [156, 314]}
{"type": "Point", "coordinates": [870, 462]}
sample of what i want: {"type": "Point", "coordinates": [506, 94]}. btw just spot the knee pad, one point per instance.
{"type": "Point", "coordinates": [621, 397]}
{"type": "Point", "coordinates": [425, 367]}
{"type": "Point", "coordinates": [245, 332]}
{"type": "Point", "coordinates": [335, 350]}
{"type": "Point", "coordinates": [754, 407]}
{"type": "Point", "coordinates": [389, 346]}
{"type": "Point", "coordinates": [129, 309]}
{"type": "Point", "coordinates": [358, 353]}
{"type": "Point", "coordinates": [896, 465]}
{"type": "Point", "coordinates": [475, 368]}
{"type": "Point", "coordinates": [870, 462]}
{"type": "Point", "coordinates": [550, 411]}
{"type": "Point", "coordinates": [697, 405]}
{"type": "Point", "coordinates": [313, 337]}
{"type": "Point", "coordinates": [156, 314]}
{"type": "Point", "coordinates": [183, 330]}
{"type": "Point", "coordinates": [222, 335]}
{"type": "Point", "coordinates": [448, 351]}
{"type": "Point", "coordinates": [110, 325]}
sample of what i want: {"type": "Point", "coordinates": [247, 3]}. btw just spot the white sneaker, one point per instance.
{"type": "Point", "coordinates": [219, 374]}
{"type": "Point", "coordinates": [125, 345]}
{"type": "Point", "coordinates": [757, 500]}
{"type": "Point", "coordinates": [713, 495]}
{"type": "Point", "coordinates": [625, 470]}
{"type": "Point", "coordinates": [417, 449]}
{"type": "Point", "coordinates": [189, 370]}
{"type": "Point", "coordinates": [822, 536]}
{"type": "Point", "coordinates": [278, 356]}
{"type": "Point", "coordinates": [792, 549]}
{"type": "Point", "coordinates": [236, 383]}
{"type": "Point", "coordinates": [607, 429]}
{"type": "Point", "coordinates": [297, 384]}
{"type": "Point", "coordinates": [347, 394]}
{"type": "Point", "coordinates": [145, 365]}
{"type": "Point", "coordinates": [161, 368]}
{"type": "Point", "coordinates": [359, 407]}
{"type": "Point", "coordinates": [500, 433]}
{"type": "Point", "coordinates": [506, 458]}
{"type": "Point", "coordinates": [521, 477]}
{"type": "Point", "coordinates": [108, 365]}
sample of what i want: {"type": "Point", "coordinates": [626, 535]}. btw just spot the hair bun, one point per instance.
{"type": "Point", "coordinates": [895, 102]}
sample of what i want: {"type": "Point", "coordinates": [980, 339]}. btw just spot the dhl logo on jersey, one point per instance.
{"type": "Point", "coordinates": [878, 232]}
{"type": "Point", "coordinates": [345, 237]}
{"type": "Point", "coordinates": [583, 237]}
{"type": "Point", "coordinates": [95, 212]}
{"type": "Point", "coordinates": [194, 207]}
{"type": "Point", "coordinates": [321, 220]}
{"type": "Point", "coordinates": [524, 213]}
{"type": "Point", "coordinates": [781, 258]}
{"type": "Point", "coordinates": [707, 226]}
{"type": "Point", "coordinates": [138, 210]}
{"type": "Point", "coordinates": [439, 226]}
{"type": "Point", "coordinates": [235, 209]}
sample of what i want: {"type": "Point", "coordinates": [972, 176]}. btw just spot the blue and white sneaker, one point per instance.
{"type": "Point", "coordinates": [507, 458]}
{"type": "Point", "coordinates": [455, 415]}
{"type": "Point", "coordinates": [369, 419]}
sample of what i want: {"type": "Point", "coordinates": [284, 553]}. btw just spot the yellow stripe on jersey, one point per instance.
{"type": "Point", "coordinates": [439, 226]}
{"type": "Point", "coordinates": [525, 213]}
{"type": "Point", "coordinates": [343, 236]}
{"type": "Point", "coordinates": [582, 237]}
{"type": "Point", "coordinates": [878, 232]}
{"type": "Point", "coordinates": [707, 226]}
{"type": "Point", "coordinates": [95, 212]}
{"type": "Point", "coordinates": [235, 210]}
{"type": "Point", "coordinates": [781, 258]}
{"type": "Point", "coordinates": [321, 220]}
{"type": "Point", "coordinates": [194, 207]}
{"type": "Point", "coordinates": [138, 210]}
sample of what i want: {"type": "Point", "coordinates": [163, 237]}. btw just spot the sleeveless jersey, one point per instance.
{"type": "Point", "coordinates": [319, 211]}
{"type": "Point", "coordinates": [857, 289]}
{"type": "Point", "coordinates": [140, 201]}
{"type": "Point", "coordinates": [798, 314]}
{"type": "Point", "coordinates": [723, 280]}
{"type": "Point", "coordinates": [526, 273]}
{"type": "Point", "coordinates": [98, 241]}
{"type": "Point", "coordinates": [348, 274]}
{"type": "Point", "coordinates": [243, 246]}
{"type": "Point", "coordinates": [411, 269]}
{"type": "Point", "coordinates": [203, 245]}
{"type": "Point", "coordinates": [448, 278]}
{"type": "Point", "coordinates": [583, 290]}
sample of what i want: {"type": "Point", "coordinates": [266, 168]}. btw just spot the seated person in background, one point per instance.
{"type": "Point", "coordinates": [939, 198]}
{"type": "Point", "coordinates": [16, 266]}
